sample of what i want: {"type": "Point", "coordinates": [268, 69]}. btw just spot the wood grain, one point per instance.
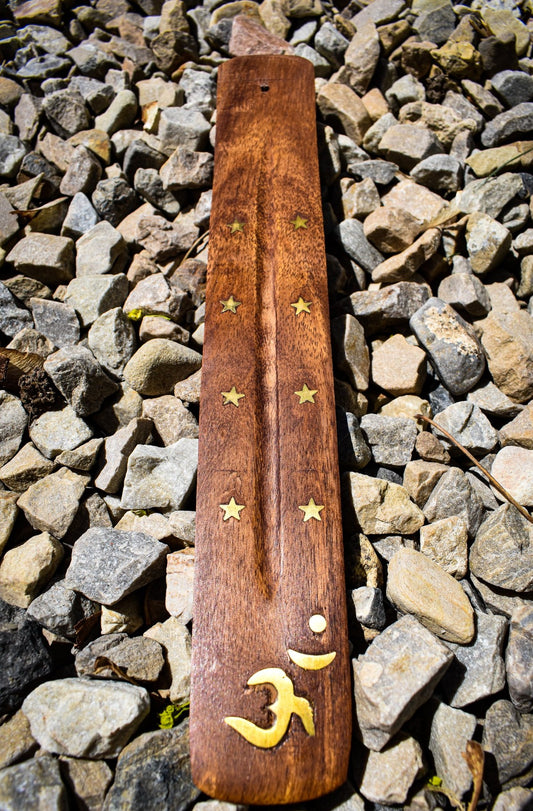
{"type": "Point", "coordinates": [263, 573]}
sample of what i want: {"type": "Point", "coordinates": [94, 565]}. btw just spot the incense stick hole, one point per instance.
{"type": "Point", "coordinates": [264, 88]}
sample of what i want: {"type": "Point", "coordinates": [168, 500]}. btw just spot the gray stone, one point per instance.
{"type": "Point", "coordinates": [469, 426]}
{"type": "Point", "coordinates": [34, 784]}
{"type": "Point", "coordinates": [361, 58]}
{"type": "Point", "coordinates": [186, 169]}
{"type": "Point", "coordinates": [442, 173]}
{"type": "Point", "coordinates": [491, 195]}
{"type": "Point", "coordinates": [97, 94]}
{"type": "Point", "coordinates": [56, 320]}
{"type": "Point", "coordinates": [108, 564]}
{"type": "Point", "coordinates": [508, 736]}
{"type": "Point", "coordinates": [351, 351]}
{"type": "Point", "coordinates": [352, 238]}
{"type": "Point", "coordinates": [57, 431]}
{"type": "Point", "coordinates": [158, 365]}
{"type": "Point", "coordinates": [502, 553]}
{"type": "Point", "coordinates": [45, 257]}
{"type": "Point", "coordinates": [179, 126]}
{"type": "Point", "coordinates": [91, 296]}
{"type": "Point", "coordinates": [331, 44]}
{"type": "Point", "coordinates": [81, 217]}
{"type": "Point", "coordinates": [83, 718]}
{"type": "Point", "coordinates": [491, 400]}
{"type": "Point", "coordinates": [381, 507]}
{"type": "Point", "coordinates": [140, 658]}
{"type": "Point", "coordinates": [88, 780]}
{"type": "Point", "coordinates": [59, 609]}
{"type": "Point", "coordinates": [454, 495]}
{"type": "Point", "coordinates": [487, 241]}
{"type": "Point", "coordinates": [91, 60]}
{"type": "Point", "coordinates": [113, 199]}
{"type": "Point", "coordinates": [112, 340]}
{"type": "Point", "coordinates": [183, 525]}
{"type": "Point", "coordinates": [461, 105]}
{"type": "Point", "coordinates": [13, 422]}
{"type": "Point", "coordinates": [513, 87]}
{"type": "Point", "coordinates": [82, 174]}
{"type": "Point", "coordinates": [380, 172]}
{"type": "Point", "coordinates": [12, 317]}
{"type": "Point", "coordinates": [16, 741]}
{"type": "Point", "coordinates": [369, 608]}
{"type": "Point", "coordinates": [160, 478]}
{"type": "Point", "coordinates": [100, 250]}
{"type": "Point", "coordinates": [163, 240]}
{"type": "Point", "coordinates": [80, 378]}
{"type": "Point", "coordinates": [375, 133]}
{"type": "Point", "coordinates": [499, 601]}
{"type": "Point", "coordinates": [465, 292]}
{"type": "Point", "coordinates": [380, 12]}
{"type": "Point", "coordinates": [391, 306]}
{"type": "Point", "coordinates": [354, 453]}
{"type": "Point", "coordinates": [140, 154]}
{"type": "Point", "coordinates": [391, 439]}
{"type": "Point", "coordinates": [42, 67]}
{"type": "Point", "coordinates": [12, 151]}
{"type": "Point", "coordinates": [451, 343]}
{"type": "Point", "coordinates": [519, 659]}
{"type": "Point", "coordinates": [417, 585]}
{"type": "Point", "coordinates": [8, 220]}
{"type": "Point", "coordinates": [509, 125]}
{"type": "Point", "coordinates": [396, 675]}
{"type": "Point", "coordinates": [118, 448]}
{"type": "Point", "coordinates": [25, 656]}
{"type": "Point", "coordinates": [320, 64]}
{"type": "Point", "coordinates": [407, 145]}
{"type": "Point", "coordinates": [51, 503]}
{"type": "Point", "coordinates": [478, 669]}
{"type": "Point", "coordinates": [451, 729]}
{"type": "Point", "coordinates": [435, 21]}
{"type": "Point", "coordinates": [172, 420]}
{"type": "Point", "coordinates": [148, 183]}
{"type": "Point", "coordinates": [66, 112]}
{"type": "Point", "coordinates": [388, 775]}
{"type": "Point", "coordinates": [514, 799]}
{"type": "Point", "coordinates": [154, 771]}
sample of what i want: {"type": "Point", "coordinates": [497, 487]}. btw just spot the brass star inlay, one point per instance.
{"type": "Point", "coordinates": [230, 305]}
{"type": "Point", "coordinates": [306, 394]}
{"type": "Point", "coordinates": [236, 227]}
{"type": "Point", "coordinates": [311, 510]}
{"type": "Point", "coordinates": [301, 306]}
{"type": "Point", "coordinates": [232, 396]}
{"type": "Point", "coordinates": [299, 222]}
{"type": "Point", "coordinates": [232, 510]}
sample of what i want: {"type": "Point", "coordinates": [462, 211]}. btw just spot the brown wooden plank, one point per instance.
{"type": "Point", "coordinates": [267, 566]}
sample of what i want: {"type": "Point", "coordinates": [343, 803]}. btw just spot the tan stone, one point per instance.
{"type": "Point", "coordinates": [363, 566]}
{"type": "Point", "coordinates": [361, 57]}
{"type": "Point", "coordinates": [507, 339]}
{"type": "Point", "coordinates": [171, 418]}
{"type": "Point", "coordinates": [376, 104]}
{"type": "Point", "coordinates": [388, 775]}
{"type": "Point", "coordinates": [407, 405]}
{"type": "Point", "coordinates": [501, 21]}
{"type": "Point", "coordinates": [27, 568]}
{"type": "Point", "coordinates": [188, 390]}
{"type": "Point", "coordinates": [391, 229]}
{"type": "Point", "coordinates": [97, 141]}
{"type": "Point", "coordinates": [88, 779]}
{"type": "Point", "coordinates": [52, 502]}
{"type": "Point", "coordinates": [420, 202]}
{"type": "Point", "coordinates": [273, 17]}
{"type": "Point", "coordinates": [519, 431]}
{"type": "Point", "coordinates": [446, 542]}
{"type": "Point", "coordinates": [443, 121]}
{"type": "Point", "coordinates": [518, 155]}
{"type": "Point", "coordinates": [341, 103]}
{"type": "Point", "coordinates": [402, 266]}
{"type": "Point", "coordinates": [176, 640]}
{"type": "Point", "coordinates": [487, 242]}
{"type": "Point", "coordinates": [16, 740]}
{"type": "Point", "coordinates": [419, 586]}
{"type": "Point", "coordinates": [8, 515]}
{"type": "Point", "coordinates": [430, 448]}
{"type": "Point", "coordinates": [382, 507]}
{"type": "Point", "coordinates": [513, 469]}
{"type": "Point", "coordinates": [180, 576]}
{"type": "Point", "coordinates": [124, 617]}
{"type": "Point", "coordinates": [420, 478]}
{"type": "Point", "coordinates": [156, 525]}
{"type": "Point", "coordinates": [173, 17]}
{"type": "Point", "coordinates": [249, 37]}
{"type": "Point", "coordinates": [399, 367]}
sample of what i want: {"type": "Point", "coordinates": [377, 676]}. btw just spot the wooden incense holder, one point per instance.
{"type": "Point", "coordinates": [270, 695]}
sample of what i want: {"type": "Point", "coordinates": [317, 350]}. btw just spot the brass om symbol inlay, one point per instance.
{"type": "Point", "coordinates": [286, 703]}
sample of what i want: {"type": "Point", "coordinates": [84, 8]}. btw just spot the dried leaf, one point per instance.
{"type": "Point", "coordinates": [103, 663]}
{"type": "Point", "coordinates": [18, 363]}
{"type": "Point", "coordinates": [84, 628]}
{"type": "Point", "coordinates": [475, 760]}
